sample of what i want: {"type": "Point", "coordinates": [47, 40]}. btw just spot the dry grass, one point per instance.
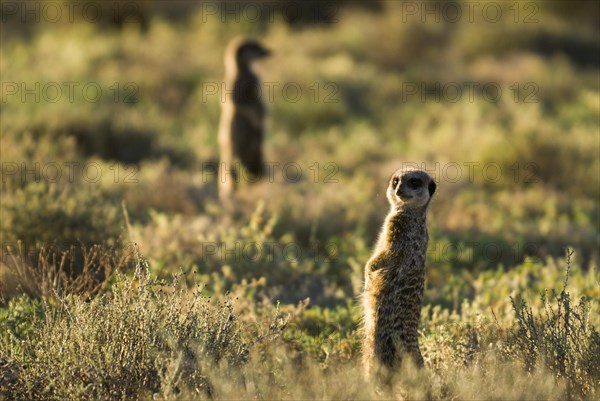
{"type": "Point", "coordinates": [147, 338]}
{"type": "Point", "coordinates": [51, 273]}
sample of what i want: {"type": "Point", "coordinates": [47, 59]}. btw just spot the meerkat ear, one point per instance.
{"type": "Point", "coordinates": [432, 187]}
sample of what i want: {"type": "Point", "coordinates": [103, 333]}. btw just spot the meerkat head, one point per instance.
{"type": "Point", "coordinates": [250, 50]}
{"type": "Point", "coordinates": [241, 52]}
{"type": "Point", "coordinates": [410, 189]}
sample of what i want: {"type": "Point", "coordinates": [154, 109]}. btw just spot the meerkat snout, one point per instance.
{"type": "Point", "coordinates": [407, 189]}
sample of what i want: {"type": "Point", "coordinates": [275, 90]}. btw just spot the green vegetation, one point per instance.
{"type": "Point", "coordinates": [262, 302]}
{"type": "Point", "coordinates": [563, 338]}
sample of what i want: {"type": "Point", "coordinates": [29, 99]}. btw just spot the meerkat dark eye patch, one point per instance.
{"type": "Point", "coordinates": [432, 187]}
{"type": "Point", "coordinates": [395, 182]}
{"type": "Point", "coordinates": [414, 183]}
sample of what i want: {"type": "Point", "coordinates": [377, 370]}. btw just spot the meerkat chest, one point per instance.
{"type": "Point", "coordinates": [400, 273]}
{"type": "Point", "coordinates": [406, 259]}
{"type": "Point", "coordinates": [247, 89]}
{"type": "Point", "coordinates": [409, 272]}
{"type": "Point", "coordinates": [408, 247]}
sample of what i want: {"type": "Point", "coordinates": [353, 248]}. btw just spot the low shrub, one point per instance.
{"type": "Point", "coordinates": [143, 337]}
{"type": "Point", "coordinates": [561, 337]}
{"type": "Point", "coordinates": [43, 214]}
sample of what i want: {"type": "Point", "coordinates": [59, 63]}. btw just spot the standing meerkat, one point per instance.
{"type": "Point", "coordinates": [395, 275]}
{"type": "Point", "coordinates": [241, 127]}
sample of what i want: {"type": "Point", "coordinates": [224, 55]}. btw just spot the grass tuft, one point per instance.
{"type": "Point", "coordinates": [561, 335]}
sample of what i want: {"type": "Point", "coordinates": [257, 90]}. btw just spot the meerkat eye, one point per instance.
{"type": "Point", "coordinates": [414, 183]}
{"type": "Point", "coordinates": [395, 182]}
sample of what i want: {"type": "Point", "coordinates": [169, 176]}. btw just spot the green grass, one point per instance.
{"type": "Point", "coordinates": [147, 336]}
{"type": "Point", "coordinates": [261, 302]}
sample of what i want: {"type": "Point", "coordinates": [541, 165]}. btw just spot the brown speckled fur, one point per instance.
{"type": "Point", "coordinates": [395, 276]}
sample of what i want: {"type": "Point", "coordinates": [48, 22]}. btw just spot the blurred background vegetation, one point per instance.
{"type": "Point", "coordinates": [108, 127]}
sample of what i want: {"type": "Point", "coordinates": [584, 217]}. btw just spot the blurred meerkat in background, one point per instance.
{"type": "Point", "coordinates": [242, 124]}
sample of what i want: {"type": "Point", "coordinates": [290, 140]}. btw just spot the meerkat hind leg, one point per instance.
{"type": "Point", "coordinates": [408, 350]}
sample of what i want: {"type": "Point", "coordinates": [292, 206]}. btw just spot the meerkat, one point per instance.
{"type": "Point", "coordinates": [395, 275]}
{"type": "Point", "coordinates": [241, 127]}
